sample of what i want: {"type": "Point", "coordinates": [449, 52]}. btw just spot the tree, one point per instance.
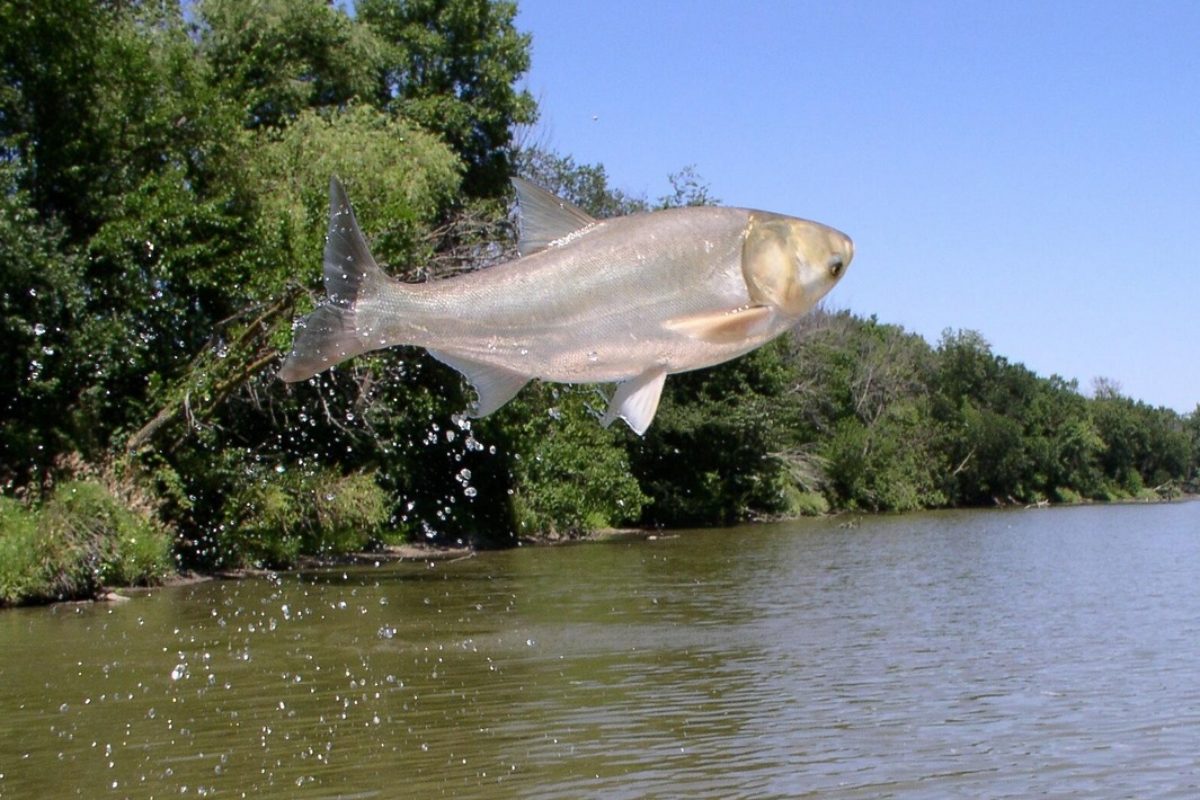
{"type": "Point", "coordinates": [277, 58]}
{"type": "Point", "coordinates": [584, 185]}
{"type": "Point", "coordinates": [862, 387]}
{"type": "Point", "coordinates": [452, 66]}
{"type": "Point", "coordinates": [163, 206]}
{"type": "Point", "coordinates": [41, 298]}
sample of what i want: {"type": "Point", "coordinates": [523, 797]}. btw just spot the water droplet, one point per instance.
{"type": "Point", "coordinates": [39, 329]}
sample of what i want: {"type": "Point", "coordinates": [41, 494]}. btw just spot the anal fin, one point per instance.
{"type": "Point", "coordinates": [493, 385]}
{"type": "Point", "coordinates": [636, 401]}
{"type": "Point", "coordinates": [722, 327]}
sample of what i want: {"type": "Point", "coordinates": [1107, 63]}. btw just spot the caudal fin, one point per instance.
{"type": "Point", "coordinates": [331, 333]}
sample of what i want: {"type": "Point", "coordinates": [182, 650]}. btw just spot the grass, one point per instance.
{"type": "Point", "coordinates": [79, 541]}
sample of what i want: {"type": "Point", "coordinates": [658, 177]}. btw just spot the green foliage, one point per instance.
{"type": "Point", "coordinates": [21, 574]}
{"type": "Point", "coordinates": [889, 466]}
{"type": "Point", "coordinates": [452, 66]}
{"type": "Point", "coordinates": [350, 512]}
{"type": "Point", "coordinates": [1144, 448]}
{"type": "Point", "coordinates": [41, 301]}
{"type": "Point", "coordinates": [688, 188]}
{"type": "Point", "coordinates": [81, 539]}
{"type": "Point", "coordinates": [569, 475]}
{"type": "Point", "coordinates": [799, 503]}
{"type": "Point", "coordinates": [711, 456]}
{"type": "Point", "coordinates": [401, 179]}
{"type": "Point", "coordinates": [584, 185]}
{"type": "Point", "coordinates": [282, 57]}
{"type": "Point", "coordinates": [163, 178]}
{"type": "Point", "coordinates": [278, 514]}
{"type": "Point", "coordinates": [863, 398]}
{"type": "Point", "coordinates": [1067, 495]}
{"type": "Point", "coordinates": [121, 546]}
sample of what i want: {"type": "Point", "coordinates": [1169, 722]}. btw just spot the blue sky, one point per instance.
{"type": "Point", "coordinates": [1027, 170]}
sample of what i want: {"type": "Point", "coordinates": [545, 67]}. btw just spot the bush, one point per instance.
{"type": "Point", "coordinates": [121, 546]}
{"type": "Point", "coordinates": [799, 503]}
{"type": "Point", "coordinates": [81, 540]}
{"type": "Point", "coordinates": [349, 513]}
{"type": "Point", "coordinates": [1067, 495]}
{"type": "Point", "coordinates": [19, 556]}
{"type": "Point", "coordinates": [569, 475]}
{"type": "Point", "coordinates": [277, 516]}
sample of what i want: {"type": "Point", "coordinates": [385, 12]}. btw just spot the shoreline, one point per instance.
{"type": "Point", "coordinates": [434, 554]}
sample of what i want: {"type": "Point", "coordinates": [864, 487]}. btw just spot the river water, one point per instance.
{"type": "Point", "coordinates": [1047, 653]}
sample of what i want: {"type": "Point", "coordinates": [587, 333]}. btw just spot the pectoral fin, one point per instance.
{"type": "Point", "coordinates": [636, 401]}
{"type": "Point", "coordinates": [723, 327]}
{"type": "Point", "coordinates": [494, 386]}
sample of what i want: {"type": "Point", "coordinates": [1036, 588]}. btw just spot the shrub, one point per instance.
{"type": "Point", "coordinates": [19, 557]}
{"type": "Point", "coordinates": [277, 516]}
{"type": "Point", "coordinates": [569, 475]}
{"type": "Point", "coordinates": [1067, 495]}
{"type": "Point", "coordinates": [81, 539]}
{"type": "Point", "coordinates": [349, 511]}
{"type": "Point", "coordinates": [799, 503]}
{"type": "Point", "coordinates": [120, 546]}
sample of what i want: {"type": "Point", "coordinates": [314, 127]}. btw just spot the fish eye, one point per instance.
{"type": "Point", "coordinates": [835, 267]}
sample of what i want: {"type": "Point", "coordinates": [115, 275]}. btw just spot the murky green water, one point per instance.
{"type": "Point", "coordinates": [1002, 654]}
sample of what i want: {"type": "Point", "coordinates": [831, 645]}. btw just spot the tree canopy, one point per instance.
{"type": "Point", "coordinates": [163, 174]}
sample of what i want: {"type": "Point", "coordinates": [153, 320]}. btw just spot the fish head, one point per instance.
{"type": "Point", "coordinates": [791, 263]}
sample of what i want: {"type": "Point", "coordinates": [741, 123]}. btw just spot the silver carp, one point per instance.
{"type": "Point", "coordinates": [627, 300]}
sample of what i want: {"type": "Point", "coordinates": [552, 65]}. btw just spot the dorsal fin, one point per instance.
{"type": "Point", "coordinates": [350, 270]}
{"type": "Point", "coordinates": [545, 218]}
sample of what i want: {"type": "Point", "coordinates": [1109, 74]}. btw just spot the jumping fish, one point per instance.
{"type": "Point", "coordinates": [627, 300]}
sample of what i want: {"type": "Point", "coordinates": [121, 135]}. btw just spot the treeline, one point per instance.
{"type": "Point", "coordinates": [162, 197]}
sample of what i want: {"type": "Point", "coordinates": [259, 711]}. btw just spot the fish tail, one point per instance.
{"type": "Point", "coordinates": [338, 329]}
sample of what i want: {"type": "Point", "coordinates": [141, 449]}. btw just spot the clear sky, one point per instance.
{"type": "Point", "coordinates": [1029, 170]}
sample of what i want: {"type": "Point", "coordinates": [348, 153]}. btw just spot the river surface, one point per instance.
{"type": "Point", "coordinates": [1051, 653]}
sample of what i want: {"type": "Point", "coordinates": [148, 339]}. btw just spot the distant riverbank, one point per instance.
{"type": "Point", "coordinates": [56, 578]}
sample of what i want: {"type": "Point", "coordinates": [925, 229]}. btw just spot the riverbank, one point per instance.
{"type": "Point", "coordinates": [49, 572]}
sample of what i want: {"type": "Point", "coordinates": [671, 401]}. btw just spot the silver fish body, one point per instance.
{"type": "Point", "coordinates": [626, 300]}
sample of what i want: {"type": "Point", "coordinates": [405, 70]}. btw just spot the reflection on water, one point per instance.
{"type": "Point", "coordinates": [995, 654]}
